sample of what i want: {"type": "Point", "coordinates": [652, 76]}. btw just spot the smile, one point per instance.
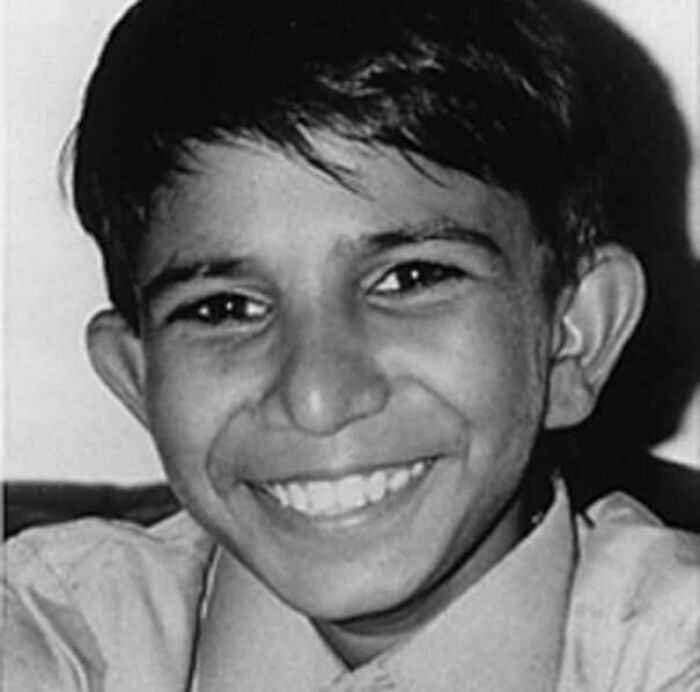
{"type": "Point", "coordinates": [346, 494]}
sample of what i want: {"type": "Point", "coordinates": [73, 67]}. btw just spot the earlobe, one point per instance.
{"type": "Point", "coordinates": [117, 357]}
{"type": "Point", "coordinates": [594, 322]}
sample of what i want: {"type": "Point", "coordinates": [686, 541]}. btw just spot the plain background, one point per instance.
{"type": "Point", "coordinates": [60, 422]}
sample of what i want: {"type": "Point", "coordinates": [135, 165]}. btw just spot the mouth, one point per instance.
{"type": "Point", "coordinates": [347, 494]}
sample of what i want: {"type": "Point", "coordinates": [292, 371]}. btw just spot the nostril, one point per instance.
{"type": "Point", "coordinates": [321, 394]}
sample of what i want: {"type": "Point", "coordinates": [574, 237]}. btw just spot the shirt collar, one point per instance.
{"type": "Point", "coordinates": [505, 633]}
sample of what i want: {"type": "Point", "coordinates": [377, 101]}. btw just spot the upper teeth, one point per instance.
{"type": "Point", "coordinates": [351, 492]}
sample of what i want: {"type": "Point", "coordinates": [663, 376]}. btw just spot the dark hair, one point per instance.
{"type": "Point", "coordinates": [493, 88]}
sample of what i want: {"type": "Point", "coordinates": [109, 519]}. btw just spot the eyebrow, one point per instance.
{"type": "Point", "coordinates": [445, 230]}
{"type": "Point", "coordinates": [180, 274]}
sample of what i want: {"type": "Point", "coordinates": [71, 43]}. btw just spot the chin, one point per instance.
{"type": "Point", "coordinates": [339, 597]}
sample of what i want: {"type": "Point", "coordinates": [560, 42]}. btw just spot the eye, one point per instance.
{"type": "Point", "coordinates": [234, 308]}
{"type": "Point", "coordinates": [411, 277]}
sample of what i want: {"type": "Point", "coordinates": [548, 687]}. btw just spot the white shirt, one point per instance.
{"type": "Point", "coordinates": [609, 602]}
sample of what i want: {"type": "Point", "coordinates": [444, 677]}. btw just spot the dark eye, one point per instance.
{"type": "Point", "coordinates": [224, 307]}
{"type": "Point", "coordinates": [414, 276]}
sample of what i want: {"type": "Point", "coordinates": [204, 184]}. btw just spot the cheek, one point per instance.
{"type": "Point", "coordinates": [488, 364]}
{"type": "Point", "coordinates": [192, 393]}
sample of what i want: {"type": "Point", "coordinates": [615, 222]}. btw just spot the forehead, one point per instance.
{"type": "Point", "coordinates": [260, 200]}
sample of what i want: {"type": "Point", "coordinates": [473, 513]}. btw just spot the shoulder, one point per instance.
{"type": "Point", "coordinates": [635, 605]}
{"type": "Point", "coordinates": [86, 543]}
{"type": "Point", "coordinates": [76, 593]}
{"type": "Point", "coordinates": [81, 561]}
{"type": "Point", "coordinates": [645, 566]}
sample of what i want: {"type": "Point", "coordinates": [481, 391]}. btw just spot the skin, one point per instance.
{"type": "Point", "coordinates": [298, 328]}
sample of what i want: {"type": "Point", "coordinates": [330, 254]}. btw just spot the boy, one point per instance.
{"type": "Point", "coordinates": [360, 265]}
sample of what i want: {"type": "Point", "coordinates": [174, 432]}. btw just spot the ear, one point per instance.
{"type": "Point", "coordinates": [594, 321]}
{"type": "Point", "coordinates": [116, 355]}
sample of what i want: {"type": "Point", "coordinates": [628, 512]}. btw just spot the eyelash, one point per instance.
{"type": "Point", "coordinates": [222, 307]}
{"type": "Point", "coordinates": [421, 275]}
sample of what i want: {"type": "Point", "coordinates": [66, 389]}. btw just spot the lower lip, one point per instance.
{"type": "Point", "coordinates": [392, 504]}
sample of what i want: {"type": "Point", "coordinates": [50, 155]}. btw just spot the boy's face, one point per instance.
{"type": "Point", "coordinates": [345, 384]}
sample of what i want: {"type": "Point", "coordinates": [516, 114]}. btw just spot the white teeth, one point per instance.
{"type": "Point", "coordinates": [417, 469]}
{"type": "Point", "coordinates": [298, 497]}
{"type": "Point", "coordinates": [377, 486]}
{"type": "Point", "coordinates": [320, 496]}
{"type": "Point", "coordinates": [350, 493]}
{"type": "Point", "coordinates": [280, 492]}
{"type": "Point", "coordinates": [330, 498]}
{"type": "Point", "coordinates": [399, 479]}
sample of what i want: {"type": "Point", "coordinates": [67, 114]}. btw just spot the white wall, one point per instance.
{"type": "Point", "coordinates": [61, 422]}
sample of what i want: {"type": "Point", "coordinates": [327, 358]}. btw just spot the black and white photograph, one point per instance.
{"type": "Point", "coordinates": [351, 345]}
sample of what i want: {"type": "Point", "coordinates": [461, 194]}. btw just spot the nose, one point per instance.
{"type": "Point", "coordinates": [328, 376]}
